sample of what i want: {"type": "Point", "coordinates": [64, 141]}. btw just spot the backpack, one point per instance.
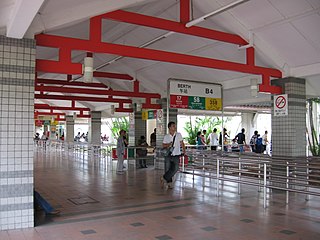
{"type": "Point", "coordinates": [259, 141]}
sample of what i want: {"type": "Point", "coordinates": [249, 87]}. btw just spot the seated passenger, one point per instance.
{"type": "Point", "coordinates": [41, 202]}
{"type": "Point", "coordinates": [142, 152]}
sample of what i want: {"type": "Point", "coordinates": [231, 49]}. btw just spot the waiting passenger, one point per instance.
{"type": "Point", "coordinates": [120, 151]}
{"type": "Point", "coordinates": [214, 140]}
{"type": "Point", "coordinates": [234, 146]}
{"type": "Point", "coordinates": [265, 141]}
{"type": "Point", "coordinates": [253, 141]}
{"type": "Point", "coordinates": [77, 137]}
{"type": "Point", "coordinates": [225, 139]}
{"type": "Point", "coordinates": [142, 152]}
{"type": "Point", "coordinates": [153, 138]}
{"type": "Point", "coordinates": [43, 204]}
{"type": "Point", "coordinates": [241, 139]}
{"type": "Point", "coordinates": [204, 136]}
{"type": "Point", "coordinates": [200, 142]}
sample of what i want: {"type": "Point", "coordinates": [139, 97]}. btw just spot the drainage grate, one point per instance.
{"type": "Point", "coordinates": [82, 200]}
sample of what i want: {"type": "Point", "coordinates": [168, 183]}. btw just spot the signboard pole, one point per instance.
{"type": "Point", "coordinates": [222, 134]}
{"type": "Point", "coordinates": [168, 105]}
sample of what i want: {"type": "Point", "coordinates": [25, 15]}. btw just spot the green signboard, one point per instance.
{"type": "Point", "coordinates": [197, 103]}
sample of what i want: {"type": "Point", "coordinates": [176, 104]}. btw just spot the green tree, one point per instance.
{"type": "Point", "coordinates": [117, 125]}
{"type": "Point", "coordinates": [312, 132]}
{"type": "Point", "coordinates": [199, 124]}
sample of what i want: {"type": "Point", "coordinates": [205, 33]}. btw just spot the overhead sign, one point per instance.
{"type": "Point", "coordinates": [151, 114]}
{"type": "Point", "coordinates": [280, 103]}
{"type": "Point", "coordinates": [195, 95]}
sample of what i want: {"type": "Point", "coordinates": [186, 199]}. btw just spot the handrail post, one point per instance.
{"type": "Point", "coordinates": [239, 184]}
{"type": "Point", "coordinates": [307, 194]}
{"type": "Point", "coordinates": [264, 185]}
{"type": "Point", "coordinates": [259, 177]}
{"type": "Point", "coordinates": [218, 173]}
{"type": "Point", "coordinates": [182, 159]}
{"type": "Point", "coordinates": [287, 184]}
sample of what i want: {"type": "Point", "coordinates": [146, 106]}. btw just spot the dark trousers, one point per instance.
{"type": "Point", "coordinates": [42, 202]}
{"type": "Point", "coordinates": [171, 166]}
{"type": "Point", "coordinates": [143, 162]}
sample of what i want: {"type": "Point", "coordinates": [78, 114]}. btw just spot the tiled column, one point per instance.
{"type": "Point", "coordinates": [138, 129]}
{"type": "Point", "coordinates": [289, 132]}
{"type": "Point", "coordinates": [95, 128]}
{"type": "Point", "coordinates": [69, 133]}
{"type": "Point", "coordinates": [162, 126]}
{"type": "Point", "coordinates": [17, 68]}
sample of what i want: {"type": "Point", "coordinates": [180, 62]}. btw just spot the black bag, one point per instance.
{"type": "Point", "coordinates": [169, 151]}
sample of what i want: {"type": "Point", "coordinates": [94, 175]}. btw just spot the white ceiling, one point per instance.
{"type": "Point", "coordinates": [286, 36]}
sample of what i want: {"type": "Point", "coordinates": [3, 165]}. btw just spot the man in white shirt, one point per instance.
{"type": "Point", "coordinates": [175, 140]}
{"type": "Point", "coordinates": [214, 140]}
{"type": "Point", "coordinates": [265, 141]}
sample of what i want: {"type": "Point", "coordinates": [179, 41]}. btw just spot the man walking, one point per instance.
{"type": "Point", "coordinates": [241, 139]}
{"type": "Point", "coordinates": [173, 141]}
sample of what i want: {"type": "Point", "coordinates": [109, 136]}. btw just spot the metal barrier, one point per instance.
{"type": "Point", "coordinates": [85, 151]}
{"type": "Point", "coordinates": [300, 175]}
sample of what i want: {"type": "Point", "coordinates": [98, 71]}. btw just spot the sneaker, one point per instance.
{"type": "Point", "coordinates": [54, 212]}
{"type": "Point", "coordinates": [120, 172]}
{"type": "Point", "coordinates": [170, 185]}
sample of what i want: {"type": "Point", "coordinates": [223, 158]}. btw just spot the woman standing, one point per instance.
{"type": "Point", "coordinates": [120, 151]}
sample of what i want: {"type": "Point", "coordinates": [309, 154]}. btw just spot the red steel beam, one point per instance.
{"type": "Point", "coordinates": [148, 54]}
{"type": "Point", "coordinates": [63, 82]}
{"type": "Point", "coordinates": [66, 68]}
{"type": "Point", "coordinates": [126, 110]}
{"type": "Point", "coordinates": [59, 108]}
{"type": "Point", "coordinates": [96, 92]}
{"type": "Point", "coordinates": [112, 75]}
{"type": "Point", "coordinates": [164, 24]}
{"type": "Point", "coordinates": [81, 98]}
{"type": "Point", "coordinates": [151, 106]}
{"type": "Point", "coordinates": [49, 114]}
{"type": "Point", "coordinates": [184, 11]}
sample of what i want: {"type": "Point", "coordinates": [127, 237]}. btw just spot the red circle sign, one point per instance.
{"type": "Point", "coordinates": [281, 102]}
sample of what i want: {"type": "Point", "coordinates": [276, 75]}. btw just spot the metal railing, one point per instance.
{"type": "Point", "coordinates": [300, 175]}
{"type": "Point", "coordinates": [290, 174]}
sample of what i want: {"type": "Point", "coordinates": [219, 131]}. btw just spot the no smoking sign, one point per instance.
{"type": "Point", "coordinates": [280, 105]}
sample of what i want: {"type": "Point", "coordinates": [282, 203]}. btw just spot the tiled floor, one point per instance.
{"type": "Point", "coordinates": [98, 204]}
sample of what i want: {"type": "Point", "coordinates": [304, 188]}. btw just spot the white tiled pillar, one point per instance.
{"type": "Point", "coordinates": [288, 132]}
{"type": "Point", "coordinates": [95, 128]}
{"type": "Point", "coordinates": [69, 133]}
{"type": "Point", "coordinates": [137, 129]}
{"type": "Point", "coordinates": [17, 68]}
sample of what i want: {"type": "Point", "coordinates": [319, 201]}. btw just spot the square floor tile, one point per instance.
{"type": "Point", "coordinates": [246, 220]}
{"type": "Point", "coordinates": [209, 229]}
{"type": "Point", "coordinates": [288, 232]}
{"type": "Point", "coordinates": [82, 200]}
{"type": "Point", "coordinates": [245, 206]}
{"type": "Point", "coordinates": [90, 231]}
{"type": "Point", "coordinates": [164, 237]}
{"type": "Point", "coordinates": [179, 217]}
{"type": "Point", "coordinates": [137, 224]}
{"type": "Point", "coordinates": [279, 214]}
